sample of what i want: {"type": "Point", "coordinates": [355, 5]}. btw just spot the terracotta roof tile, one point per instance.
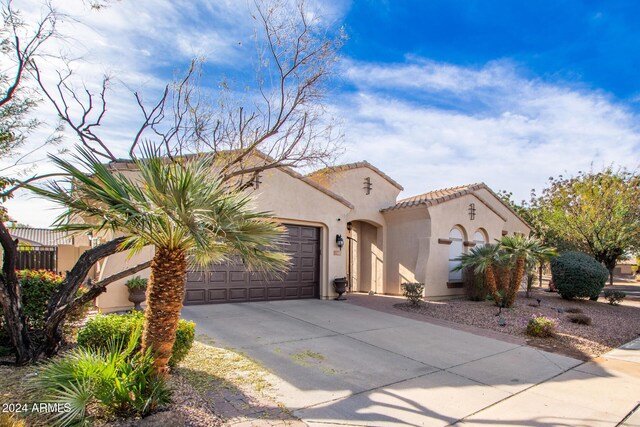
{"type": "Point", "coordinates": [436, 196]}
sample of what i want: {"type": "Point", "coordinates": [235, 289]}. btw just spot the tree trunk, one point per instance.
{"type": "Point", "coordinates": [11, 300]}
{"type": "Point", "coordinates": [165, 293]}
{"type": "Point", "coordinates": [540, 268]}
{"type": "Point", "coordinates": [611, 276]}
{"type": "Point", "coordinates": [530, 277]}
{"type": "Point", "coordinates": [514, 286]}
{"type": "Point", "coordinates": [490, 277]}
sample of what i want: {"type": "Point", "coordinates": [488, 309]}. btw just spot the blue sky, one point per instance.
{"type": "Point", "coordinates": [593, 44]}
{"type": "Point", "coordinates": [434, 93]}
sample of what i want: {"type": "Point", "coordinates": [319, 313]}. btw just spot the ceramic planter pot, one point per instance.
{"type": "Point", "coordinates": [340, 285]}
{"type": "Point", "coordinates": [137, 296]}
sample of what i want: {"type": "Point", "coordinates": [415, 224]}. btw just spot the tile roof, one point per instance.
{"type": "Point", "coordinates": [357, 165]}
{"type": "Point", "coordinates": [41, 236]}
{"type": "Point", "coordinates": [434, 197]}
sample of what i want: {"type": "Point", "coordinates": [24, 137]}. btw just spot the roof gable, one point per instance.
{"type": "Point", "coordinates": [356, 165]}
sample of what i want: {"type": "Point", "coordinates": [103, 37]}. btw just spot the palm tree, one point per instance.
{"type": "Point", "coordinates": [523, 252]}
{"type": "Point", "coordinates": [483, 260]}
{"type": "Point", "coordinates": [182, 209]}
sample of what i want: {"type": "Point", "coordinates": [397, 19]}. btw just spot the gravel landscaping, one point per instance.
{"type": "Point", "coordinates": [611, 326]}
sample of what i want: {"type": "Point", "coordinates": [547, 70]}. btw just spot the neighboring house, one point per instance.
{"type": "Point", "coordinates": [625, 268]}
{"type": "Point", "coordinates": [386, 241]}
{"type": "Point", "coordinates": [47, 248]}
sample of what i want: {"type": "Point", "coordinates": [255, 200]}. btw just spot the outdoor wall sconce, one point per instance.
{"type": "Point", "coordinates": [339, 241]}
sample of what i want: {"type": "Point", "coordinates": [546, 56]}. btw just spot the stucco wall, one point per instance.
{"type": "Point", "coordinates": [67, 257]}
{"type": "Point", "coordinates": [408, 232]}
{"type": "Point", "coordinates": [117, 294]}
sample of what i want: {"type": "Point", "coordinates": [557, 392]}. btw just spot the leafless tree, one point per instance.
{"type": "Point", "coordinates": [282, 120]}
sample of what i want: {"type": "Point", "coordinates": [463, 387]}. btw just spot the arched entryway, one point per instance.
{"type": "Point", "coordinates": [365, 256]}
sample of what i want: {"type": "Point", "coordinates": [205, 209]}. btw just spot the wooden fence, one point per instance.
{"type": "Point", "coordinates": [38, 258]}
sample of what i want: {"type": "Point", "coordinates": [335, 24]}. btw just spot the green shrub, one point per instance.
{"type": "Point", "coordinates": [413, 292]}
{"type": "Point", "coordinates": [474, 285]}
{"type": "Point", "coordinates": [541, 326]}
{"type": "Point", "coordinates": [102, 328]}
{"type": "Point", "coordinates": [577, 275]}
{"type": "Point", "coordinates": [116, 379]}
{"type": "Point", "coordinates": [614, 297]}
{"type": "Point", "coordinates": [580, 319]}
{"type": "Point", "coordinates": [137, 283]}
{"type": "Point", "coordinates": [37, 287]}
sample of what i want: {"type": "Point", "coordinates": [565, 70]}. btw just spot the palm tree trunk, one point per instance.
{"type": "Point", "coordinates": [491, 284]}
{"type": "Point", "coordinates": [517, 280]}
{"type": "Point", "coordinates": [165, 294]}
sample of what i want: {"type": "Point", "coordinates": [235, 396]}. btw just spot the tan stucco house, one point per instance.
{"type": "Point", "coordinates": [385, 241]}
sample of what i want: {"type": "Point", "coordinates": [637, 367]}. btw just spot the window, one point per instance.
{"type": "Point", "coordinates": [479, 239]}
{"type": "Point", "coordinates": [456, 248]}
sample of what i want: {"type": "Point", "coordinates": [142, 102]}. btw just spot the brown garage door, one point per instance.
{"type": "Point", "coordinates": [221, 283]}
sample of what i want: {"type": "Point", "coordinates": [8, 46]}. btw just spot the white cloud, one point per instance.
{"type": "Point", "coordinates": [431, 125]}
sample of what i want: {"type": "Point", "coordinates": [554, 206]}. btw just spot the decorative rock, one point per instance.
{"type": "Point", "coordinates": [163, 419]}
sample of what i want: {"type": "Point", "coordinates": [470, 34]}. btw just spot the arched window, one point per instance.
{"type": "Point", "coordinates": [479, 238]}
{"type": "Point", "coordinates": [456, 248]}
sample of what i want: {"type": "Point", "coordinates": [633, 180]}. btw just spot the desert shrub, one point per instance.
{"type": "Point", "coordinates": [474, 285]}
{"type": "Point", "coordinates": [577, 275]}
{"type": "Point", "coordinates": [541, 326]}
{"type": "Point", "coordinates": [580, 319]}
{"type": "Point", "coordinates": [101, 329]}
{"type": "Point", "coordinates": [573, 310]}
{"type": "Point", "coordinates": [116, 379]}
{"type": "Point", "coordinates": [614, 297]}
{"type": "Point", "coordinates": [413, 292]}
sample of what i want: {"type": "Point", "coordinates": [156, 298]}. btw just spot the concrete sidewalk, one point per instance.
{"type": "Point", "coordinates": [340, 364]}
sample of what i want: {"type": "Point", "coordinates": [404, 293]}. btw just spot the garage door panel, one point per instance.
{"type": "Point", "coordinates": [307, 291]}
{"type": "Point", "coordinates": [257, 294]}
{"type": "Point", "coordinates": [308, 248]}
{"type": "Point", "coordinates": [237, 277]}
{"type": "Point", "coordinates": [238, 294]}
{"type": "Point", "coordinates": [218, 277]}
{"type": "Point", "coordinates": [217, 295]}
{"type": "Point", "coordinates": [196, 296]}
{"type": "Point", "coordinates": [291, 291]}
{"type": "Point", "coordinates": [232, 283]}
{"type": "Point", "coordinates": [308, 276]}
{"type": "Point", "coordinates": [275, 293]}
{"type": "Point", "coordinates": [310, 233]}
{"type": "Point", "coordinates": [195, 276]}
{"type": "Point", "coordinates": [307, 262]}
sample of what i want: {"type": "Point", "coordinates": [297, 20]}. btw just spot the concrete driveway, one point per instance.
{"type": "Point", "coordinates": [339, 364]}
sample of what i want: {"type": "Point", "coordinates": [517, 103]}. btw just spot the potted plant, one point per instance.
{"type": "Point", "coordinates": [340, 285]}
{"type": "Point", "coordinates": [137, 291]}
